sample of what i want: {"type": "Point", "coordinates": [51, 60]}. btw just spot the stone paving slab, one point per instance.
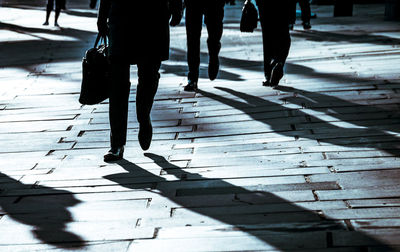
{"type": "Point", "coordinates": [311, 164]}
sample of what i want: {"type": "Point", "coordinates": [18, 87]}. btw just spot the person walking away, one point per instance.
{"type": "Point", "coordinates": [60, 5]}
{"type": "Point", "coordinates": [139, 34]}
{"type": "Point", "coordinates": [213, 13]}
{"type": "Point", "coordinates": [274, 18]}
{"type": "Point", "coordinates": [305, 13]}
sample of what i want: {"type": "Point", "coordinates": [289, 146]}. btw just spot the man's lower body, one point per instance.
{"type": "Point", "coordinates": [276, 39]}
{"type": "Point", "coordinates": [213, 12]}
{"type": "Point", "coordinates": [60, 4]}
{"type": "Point", "coordinates": [305, 13]}
{"type": "Point", "coordinates": [119, 102]}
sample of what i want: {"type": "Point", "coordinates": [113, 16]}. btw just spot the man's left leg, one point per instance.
{"type": "Point", "coordinates": [145, 93]}
{"type": "Point", "coordinates": [214, 15]}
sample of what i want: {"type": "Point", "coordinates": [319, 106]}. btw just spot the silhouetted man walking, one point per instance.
{"type": "Point", "coordinates": [213, 12]}
{"type": "Point", "coordinates": [274, 18]}
{"type": "Point", "coordinates": [139, 34]}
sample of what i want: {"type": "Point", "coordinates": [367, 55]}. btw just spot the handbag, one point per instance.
{"type": "Point", "coordinates": [249, 20]}
{"type": "Point", "coordinates": [95, 73]}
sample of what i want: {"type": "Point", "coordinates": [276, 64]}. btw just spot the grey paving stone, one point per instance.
{"type": "Point", "coordinates": [364, 203]}
{"type": "Point", "coordinates": [259, 188]}
{"type": "Point", "coordinates": [360, 193]}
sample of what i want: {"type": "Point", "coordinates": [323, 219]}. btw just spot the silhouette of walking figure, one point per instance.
{"type": "Point", "coordinates": [139, 34]}
{"type": "Point", "coordinates": [305, 13]}
{"type": "Point", "coordinates": [213, 12]}
{"type": "Point", "coordinates": [274, 17]}
{"type": "Point", "coordinates": [60, 5]}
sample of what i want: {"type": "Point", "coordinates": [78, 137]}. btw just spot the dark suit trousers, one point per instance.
{"type": "Point", "coordinates": [119, 97]}
{"type": "Point", "coordinates": [274, 18]}
{"type": "Point", "coordinates": [213, 12]}
{"type": "Point", "coordinates": [305, 11]}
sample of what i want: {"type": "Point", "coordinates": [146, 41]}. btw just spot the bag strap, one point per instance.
{"type": "Point", "coordinates": [98, 39]}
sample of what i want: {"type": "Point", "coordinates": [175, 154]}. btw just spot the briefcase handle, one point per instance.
{"type": "Point", "coordinates": [98, 39]}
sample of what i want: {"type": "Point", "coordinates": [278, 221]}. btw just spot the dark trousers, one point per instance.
{"type": "Point", "coordinates": [119, 97]}
{"type": "Point", "coordinates": [274, 18]}
{"type": "Point", "coordinates": [60, 4]}
{"type": "Point", "coordinates": [305, 11]}
{"type": "Point", "coordinates": [213, 12]}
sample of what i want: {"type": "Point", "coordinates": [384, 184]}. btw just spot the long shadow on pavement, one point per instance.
{"type": "Point", "coordinates": [257, 66]}
{"type": "Point", "coordinates": [273, 220]}
{"type": "Point", "coordinates": [46, 213]}
{"type": "Point", "coordinates": [70, 44]}
{"type": "Point", "coordinates": [361, 137]}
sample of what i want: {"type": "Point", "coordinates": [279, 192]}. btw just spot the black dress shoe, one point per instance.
{"type": "Point", "coordinates": [191, 86]}
{"type": "Point", "coordinates": [276, 74]}
{"type": "Point", "coordinates": [114, 154]}
{"type": "Point", "coordinates": [213, 67]}
{"type": "Point", "coordinates": [306, 26]}
{"type": "Point", "coordinates": [145, 134]}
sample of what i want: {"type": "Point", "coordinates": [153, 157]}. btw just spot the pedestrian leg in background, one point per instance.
{"type": "Point", "coordinates": [214, 15]}
{"type": "Point", "coordinates": [60, 5]}
{"type": "Point", "coordinates": [194, 22]}
{"type": "Point", "coordinates": [57, 14]}
{"type": "Point", "coordinates": [118, 109]}
{"type": "Point", "coordinates": [49, 8]}
{"type": "Point", "coordinates": [305, 13]}
{"type": "Point", "coordinates": [274, 17]}
{"type": "Point", "coordinates": [146, 90]}
{"type": "Point", "coordinates": [292, 13]}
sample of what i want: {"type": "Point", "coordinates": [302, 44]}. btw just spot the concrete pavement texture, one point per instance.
{"type": "Point", "coordinates": [310, 165]}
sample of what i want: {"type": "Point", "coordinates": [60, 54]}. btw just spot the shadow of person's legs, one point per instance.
{"type": "Point", "coordinates": [46, 213]}
{"type": "Point", "coordinates": [271, 219]}
{"type": "Point", "coordinates": [359, 134]}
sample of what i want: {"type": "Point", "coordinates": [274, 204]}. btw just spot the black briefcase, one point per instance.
{"type": "Point", "coordinates": [95, 73]}
{"type": "Point", "coordinates": [249, 20]}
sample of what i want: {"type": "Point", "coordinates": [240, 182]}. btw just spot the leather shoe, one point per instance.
{"type": "Point", "coordinates": [191, 86]}
{"type": "Point", "coordinates": [145, 134]}
{"type": "Point", "coordinates": [266, 83]}
{"type": "Point", "coordinates": [213, 67]}
{"type": "Point", "coordinates": [276, 74]}
{"type": "Point", "coordinates": [114, 154]}
{"type": "Point", "coordinates": [306, 26]}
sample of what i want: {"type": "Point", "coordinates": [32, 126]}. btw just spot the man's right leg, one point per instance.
{"type": "Point", "coordinates": [49, 8]}
{"type": "Point", "coordinates": [194, 22]}
{"type": "Point", "coordinates": [274, 17]}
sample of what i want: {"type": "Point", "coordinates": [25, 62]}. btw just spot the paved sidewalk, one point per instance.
{"type": "Point", "coordinates": [312, 164]}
